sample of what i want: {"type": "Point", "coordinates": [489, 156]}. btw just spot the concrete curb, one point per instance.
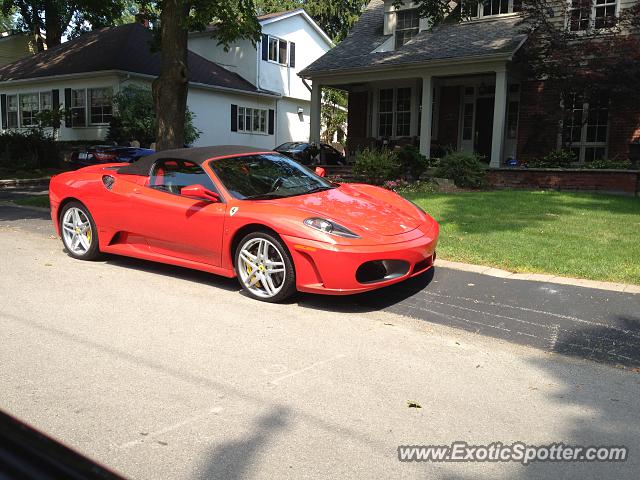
{"type": "Point", "coordinates": [22, 182]}
{"type": "Point", "coordinates": [539, 277]}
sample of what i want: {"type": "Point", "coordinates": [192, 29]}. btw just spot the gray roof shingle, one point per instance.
{"type": "Point", "coordinates": [125, 48]}
{"type": "Point", "coordinates": [499, 36]}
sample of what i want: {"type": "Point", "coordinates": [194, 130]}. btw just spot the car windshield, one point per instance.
{"type": "Point", "coordinates": [264, 176]}
{"type": "Point", "coordinates": [291, 146]}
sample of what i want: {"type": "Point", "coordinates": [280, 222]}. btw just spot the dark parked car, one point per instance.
{"type": "Point", "coordinates": [301, 152]}
{"type": "Point", "coordinates": [107, 154]}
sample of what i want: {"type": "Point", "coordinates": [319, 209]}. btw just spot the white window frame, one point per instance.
{"type": "Point", "coordinates": [253, 116]}
{"type": "Point", "coordinates": [510, 11]}
{"type": "Point", "coordinates": [592, 19]}
{"type": "Point", "coordinates": [43, 105]}
{"type": "Point", "coordinates": [34, 112]}
{"type": "Point", "coordinates": [583, 144]}
{"type": "Point", "coordinates": [406, 29]}
{"type": "Point", "coordinates": [13, 110]}
{"type": "Point", "coordinates": [277, 60]}
{"type": "Point", "coordinates": [89, 107]}
{"type": "Point", "coordinates": [84, 107]}
{"type": "Point", "coordinates": [394, 112]}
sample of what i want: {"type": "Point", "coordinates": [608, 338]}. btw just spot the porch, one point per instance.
{"type": "Point", "coordinates": [472, 108]}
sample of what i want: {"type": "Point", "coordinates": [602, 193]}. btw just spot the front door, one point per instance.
{"type": "Point", "coordinates": [484, 126]}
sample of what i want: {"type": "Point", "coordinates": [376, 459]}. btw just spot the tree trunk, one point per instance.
{"type": "Point", "coordinates": [52, 23]}
{"type": "Point", "coordinates": [171, 87]}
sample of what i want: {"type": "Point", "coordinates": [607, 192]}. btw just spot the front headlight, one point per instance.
{"type": "Point", "coordinates": [327, 226]}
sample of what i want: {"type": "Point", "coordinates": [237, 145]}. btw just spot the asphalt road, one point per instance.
{"type": "Point", "coordinates": [161, 372]}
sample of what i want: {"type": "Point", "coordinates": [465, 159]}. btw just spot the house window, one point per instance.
{"type": "Point", "coordinates": [278, 50]}
{"type": "Point", "coordinates": [78, 108]}
{"type": "Point", "coordinates": [490, 8]}
{"type": "Point", "coordinates": [252, 120]}
{"type": "Point", "coordinates": [407, 26]}
{"type": "Point", "coordinates": [585, 14]}
{"type": "Point", "coordinates": [46, 102]}
{"type": "Point", "coordinates": [385, 113]}
{"type": "Point", "coordinates": [467, 121]}
{"type": "Point", "coordinates": [403, 112]}
{"type": "Point", "coordinates": [586, 127]}
{"type": "Point", "coordinates": [12, 111]}
{"type": "Point", "coordinates": [29, 109]}
{"type": "Point", "coordinates": [101, 102]}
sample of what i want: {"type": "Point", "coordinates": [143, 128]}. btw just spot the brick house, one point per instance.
{"type": "Point", "coordinates": [456, 85]}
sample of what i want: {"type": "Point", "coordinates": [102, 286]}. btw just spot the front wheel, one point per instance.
{"type": "Point", "coordinates": [79, 232]}
{"type": "Point", "coordinates": [265, 268]}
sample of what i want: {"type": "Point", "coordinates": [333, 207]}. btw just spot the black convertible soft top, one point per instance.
{"type": "Point", "coordinates": [195, 155]}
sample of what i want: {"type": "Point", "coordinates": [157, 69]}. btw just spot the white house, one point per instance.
{"type": "Point", "coordinates": [238, 97]}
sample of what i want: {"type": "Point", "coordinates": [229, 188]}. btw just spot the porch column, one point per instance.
{"type": "Point", "coordinates": [316, 106]}
{"type": "Point", "coordinates": [499, 118]}
{"type": "Point", "coordinates": [426, 115]}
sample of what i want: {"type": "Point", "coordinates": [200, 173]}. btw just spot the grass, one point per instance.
{"type": "Point", "coordinates": [569, 234]}
{"type": "Point", "coordinates": [33, 201]}
{"type": "Point", "coordinates": [6, 173]}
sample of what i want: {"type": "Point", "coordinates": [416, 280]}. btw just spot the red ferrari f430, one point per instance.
{"type": "Point", "coordinates": [246, 213]}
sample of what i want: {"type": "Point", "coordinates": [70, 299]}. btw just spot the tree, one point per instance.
{"type": "Point", "coordinates": [234, 19]}
{"type": "Point", "coordinates": [51, 20]}
{"type": "Point", "coordinates": [134, 118]}
{"type": "Point", "coordinates": [333, 112]}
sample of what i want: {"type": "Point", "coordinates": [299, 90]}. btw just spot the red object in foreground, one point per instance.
{"type": "Point", "coordinates": [246, 213]}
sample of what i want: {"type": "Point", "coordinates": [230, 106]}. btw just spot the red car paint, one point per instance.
{"type": "Point", "coordinates": [135, 220]}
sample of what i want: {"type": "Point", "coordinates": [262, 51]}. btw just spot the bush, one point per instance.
{"type": "Point", "coordinates": [376, 166]}
{"type": "Point", "coordinates": [412, 162]}
{"type": "Point", "coordinates": [605, 163]}
{"type": "Point", "coordinates": [402, 186]}
{"type": "Point", "coordinates": [135, 118]}
{"type": "Point", "coordinates": [28, 150]}
{"type": "Point", "coordinates": [465, 169]}
{"type": "Point", "coordinates": [555, 159]}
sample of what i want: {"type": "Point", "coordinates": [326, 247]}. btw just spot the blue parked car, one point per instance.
{"type": "Point", "coordinates": [107, 154]}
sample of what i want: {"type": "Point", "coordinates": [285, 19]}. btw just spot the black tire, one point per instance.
{"type": "Point", "coordinates": [289, 284]}
{"type": "Point", "coordinates": [94, 251]}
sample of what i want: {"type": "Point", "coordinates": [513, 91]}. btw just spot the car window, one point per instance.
{"type": "Point", "coordinates": [172, 175]}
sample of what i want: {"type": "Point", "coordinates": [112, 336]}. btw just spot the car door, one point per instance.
{"type": "Point", "coordinates": [176, 225]}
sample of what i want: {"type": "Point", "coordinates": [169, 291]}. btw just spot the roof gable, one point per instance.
{"type": "Point", "coordinates": [499, 37]}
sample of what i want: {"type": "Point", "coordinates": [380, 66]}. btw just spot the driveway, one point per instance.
{"type": "Point", "coordinates": [161, 372]}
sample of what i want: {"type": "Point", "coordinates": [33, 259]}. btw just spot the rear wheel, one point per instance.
{"type": "Point", "coordinates": [79, 232]}
{"type": "Point", "coordinates": [265, 268]}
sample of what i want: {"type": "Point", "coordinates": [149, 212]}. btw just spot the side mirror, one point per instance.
{"type": "Point", "coordinates": [198, 191]}
{"type": "Point", "coordinates": [320, 171]}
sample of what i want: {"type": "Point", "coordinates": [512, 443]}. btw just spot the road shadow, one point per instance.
{"type": "Point", "coordinates": [232, 460]}
{"type": "Point", "coordinates": [181, 273]}
{"type": "Point", "coordinates": [9, 213]}
{"type": "Point", "coordinates": [370, 301]}
{"type": "Point", "coordinates": [598, 405]}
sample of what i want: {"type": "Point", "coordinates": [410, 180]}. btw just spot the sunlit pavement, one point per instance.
{"type": "Point", "coordinates": [160, 372]}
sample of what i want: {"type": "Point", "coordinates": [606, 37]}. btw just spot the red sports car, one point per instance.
{"type": "Point", "coordinates": [247, 213]}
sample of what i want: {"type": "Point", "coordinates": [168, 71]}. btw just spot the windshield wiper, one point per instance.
{"type": "Point", "coordinates": [264, 196]}
{"type": "Point", "coordinates": [318, 189]}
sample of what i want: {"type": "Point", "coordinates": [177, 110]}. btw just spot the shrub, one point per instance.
{"type": "Point", "coordinates": [605, 163]}
{"type": "Point", "coordinates": [555, 159]}
{"type": "Point", "coordinates": [402, 186]}
{"type": "Point", "coordinates": [412, 162]}
{"type": "Point", "coordinates": [135, 118]}
{"type": "Point", "coordinates": [465, 169]}
{"type": "Point", "coordinates": [28, 150]}
{"type": "Point", "coordinates": [376, 166]}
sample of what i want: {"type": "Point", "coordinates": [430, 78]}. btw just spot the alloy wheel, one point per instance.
{"type": "Point", "coordinates": [76, 231]}
{"type": "Point", "coordinates": [261, 268]}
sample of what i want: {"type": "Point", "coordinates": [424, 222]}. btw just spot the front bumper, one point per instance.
{"type": "Point", "coordinates": [331, 269]}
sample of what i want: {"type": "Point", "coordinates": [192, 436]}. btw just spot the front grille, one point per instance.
{"type": "Point", "coordinates": [381, 270]}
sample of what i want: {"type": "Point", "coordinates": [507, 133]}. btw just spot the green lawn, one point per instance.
{"type": "Point", "coordinates": [578, 235]}
{"type": "Point", "coordinates": [34, 201]}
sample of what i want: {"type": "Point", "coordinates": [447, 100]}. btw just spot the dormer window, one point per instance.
{"type": "Point", "coordinates": [407, 26]}
{"type": "Point", "coordinates": [492, 8]}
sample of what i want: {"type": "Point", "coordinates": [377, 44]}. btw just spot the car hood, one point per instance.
{"type": "Point", "coordinates": [356, 210]}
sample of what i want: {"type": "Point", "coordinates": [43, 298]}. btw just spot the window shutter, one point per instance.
{"type": "Point", "coordinates": [3, 110]}
{"type": "Point", "coordinates": [234, 118]}
{"type": "Point", "coordinates": [272, 115]}
{"type": "Point", "coordinates": [67, 106]}
{"type": "Point", "coordinates": [55, 103]}
{"type": "Point", "coordinates": [292, 54]}
{"type": "Point", "coordinates": [265, 46]}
